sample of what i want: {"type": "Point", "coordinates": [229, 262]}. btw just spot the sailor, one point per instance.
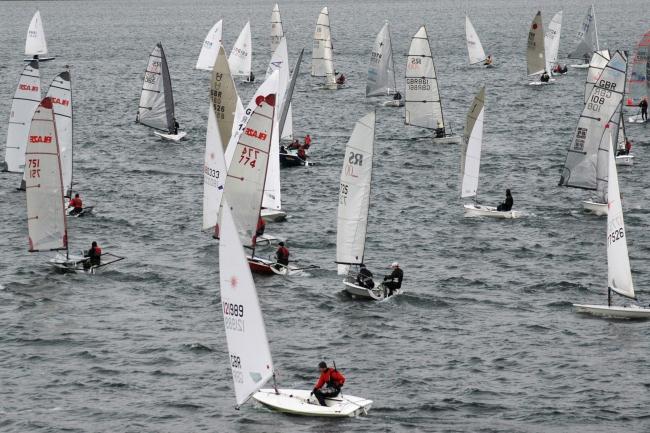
{"type": "Point", "coordinates": [644, 108]}
{"type": "Point", "coordinates": [626, 150]}
{"type": "Point", "coordinates": [282, 256]}
{"type": "Point", "coordinates": [394, 281]}
{"type": "Point", "coordinates": [301, 153]}
{"type": "Point", "coordinates": [340, 78]}
{"type": "Point", "coordinates": [176, 126]}
{"type": "Point", "coordinates": [329, 383]}
{"type": "Point", "coordinates": [76, 204]}
{"type": "Point", "coordinates": [507, 204]}
{"type": "Point", "coordinates": [488, 60]}
{"type": "Point", "coordinates": [94, 256]}
{"type": "Point", "coordinates": [364, 277]}
{"type": "Point", "coordinates": [283, 150]}
{"type": "Point", "coordinates": [295, 144]}
{"type": "Point", "coordinates": [440, 130]}
{"type": "Point", "coordinates": [545, 78]}
{"type": "Point", "coordinates": [397, 96]}
{"type": "Point", "coordinates": [307, 141]}
{"type": "Point", "coordinates": [251, 77]}
{"type": "Point", "coordinates": [259, 230]}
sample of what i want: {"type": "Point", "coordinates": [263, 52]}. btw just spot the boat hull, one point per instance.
{"type": "Point", "coordinates": [614, 312]}
{"type": "Point", "coordinates": [477, 210]}
{"type": "Point", "coordinates": [300, 402]}
{"type": "Point", "coordinates": [171, 137]}
{"type": "Point", "coordinates": [447, 139]}
{"type": "Point", "coordinates": [70, 263]}
{"type": "Point", "coordinates": [625, 160]}
{"type": "Point", "coordinates": [272, 215]}
{"type": "Point", "coordinates": [596, 208]}
{"type": "Point", "coordinates": [636, 119]}
{"type": "Point", "coordinates": [358, 292]}
{"type": "Point", "coordinates": [393, 103]}
{"type": "Point", "coordinates": [580, 66]}
{"type": "Point", "coordinates": [259, 265]}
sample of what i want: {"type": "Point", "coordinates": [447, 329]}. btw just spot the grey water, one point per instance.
{"type": "Point", "coordinates": [485, 337]}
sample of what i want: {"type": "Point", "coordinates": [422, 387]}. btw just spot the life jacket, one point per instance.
{"type": "Point", "coordinates": [97, 251]}
{"type": "Point", "coordinates": [307, 140]}
{"type": "Point", "coordinates": [76, 203]}
{"type": "Point", "coordinates": [301, 153]}
{"type": "Point", "coordinates": [332, 378]}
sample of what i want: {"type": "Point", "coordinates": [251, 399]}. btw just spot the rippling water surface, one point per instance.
{"type": "Point", "coordinates": [484, 339]}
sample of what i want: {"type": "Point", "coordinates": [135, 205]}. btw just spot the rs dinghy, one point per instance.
{"type": "Point", "coordinates": [156, 109]}
{"type": "Point", "coordinates": [240, 59]}
{"type": "Point", "coordinates": [322, 58]}
{"type": "Point", "coordinates": [25, 101]}
{"type": "Point", "coordinates": [536, 62]}
{"type": "Point", "coordinates": [381, 70]}
{"type": "Point", "coordinates": [474, 46]}
{"type": "Point", "coordinates": [210, 48]}
{"type": "Point", "coordinates": [638, 86]}
{"type": "Point", "coordinates": [619, 275]}
{"type": "Point", "coordinates": [423, 105]}
{"type": "Point", "coordinates": [585, 166]}
{"type": "Point", "coordinates": [249, 351]}
{"type": "Point", "coordinates": [470, 163]}
{"type": "Point", "coordinates": [46, 218]}
{"type": "Point", "coordinates": [35, 44]}
{"type": "Point", "coordinates": [586, 40]}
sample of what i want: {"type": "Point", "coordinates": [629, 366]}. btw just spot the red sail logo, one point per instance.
{"type": "Point", "coordinates": [40, 138]}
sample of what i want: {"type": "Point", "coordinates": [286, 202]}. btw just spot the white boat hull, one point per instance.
{"type": "Point", "coordinates": [377, 294]}
{"type": "Point", "coordinates": [171, 137]}
{"type": "Point", "coordinates": [265, 240]}
{"type": "Point", "coordinates": [635, 119]}
{"type": "Point", "coordinates": [71, 263]}
{"type": "Point", "coordinates": [625, 160]}
{"type": "Point", "coordinates": [580, 66]}
{"type": "Point", "coordinates": [40, 59]}
{"type": "Point", "coordinates": [614, 312]}
{"type": "Point", "coordinates": [299, 402]}
{"type": "Point", "coordinates": [541, 83]}
{"type": "Point", "coordinates": [394, 103]}
{"type": "Point", "coordinates": [448, 139]}
{"type": "Point", "coordinates": [477, 210]}
{"type": "Point", "coordinates": [596, 208]}
{"type": "Point", "coordinates": [332, 86]}
{"type": "Point", "coordinates": [272, 215]}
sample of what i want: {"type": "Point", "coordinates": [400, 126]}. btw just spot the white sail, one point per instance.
{"type": "Point", "coordinates": [598, 61]}
{"type": "Point", "coordinates": [241, 54]}
{"type": "Point", "coordinates": [286, 117]}
{"type": "Point", "coordinates": [25, 101]}
{"type": "Point", "coordinates": [354, 194]}
{"type": "Point", "coordinates": [35, 44]}
{"type": "Point", "coordinates": [474, 47]}
{"type": "Point", "coordinates": [60, 93]}
{"type": "Point", "coordinates": [535, 52]}
{"type": "Point", "coordinates": [322, 59]}
{"type": "Point", "coordinates": [277, 33]}
{"type": "Point", "coordinates": [214, 172]}
{"type": "Point", "coordinates": [249, 353]}
{"type": "Point", "coordinates": [44, 189]}
{"type": "Point", "coordinates": [581, 164]}
{"type": "Point", "coordinates": [619, 276]}
{"type": "Point", "coordinates": [237, 125]}
{"type": "Point", "coordinates": [210, 47]}
{"type": "Point", "coordinates": [381, 71]}
{"type": "Point", "coordinates": [552, 40]}
{"type": "Point", "coordinates": [470, 151]}
{"type": "Point", "coordinates": [156, 108]}
{"type": "Point", "coordinates": [224, 97]}
{"type": "Point", "coordinates": [587, 38]}
{"type": "Point", "coordinates": [244, 187]}
{"type": "Point", "coordinates": [422, 98]}
{"type": "Point", "coordinates": [621, 137]}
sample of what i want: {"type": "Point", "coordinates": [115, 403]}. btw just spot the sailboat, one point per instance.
{"type": "Point", "coordinates": [552, 42]}
{"type": "Point", "coordinates": [587, 40]}
{"type": "Point", "coordinates": [210, 47]}
{"type": "Point", "coordinates": [35, 44]}
{"type": "Point", "coordinates": [423, 105]}
{"type": "Point", "coordinates": [249, 351]}
{"type": "Point", "coordinates": [619, 274]}
{"type": "Point", "coordinates": [474, 46]}
{"type": "Point", "coordinates": [381, 70]}
{"type": "Point", "coordinates": [46, 218]}
{"type": "Point", "coordinates": [277, 33]}
{"type": "Point", "coordinates": [240, 59]}
{"type": "Point", "coordinates": [322, 59]}
{"type": "Point", "coordinates": [638, 86]}
{"type": "Point", "coordinates": [585, 166]}
{"type": "Point", "coordinates": [536, 62]}
{"type": "Point", "coordinates": [156, 109]}
{"type": "Point", "coordinates": [25, 101]}
{"type": "Point", "coordinates": [470, 163]}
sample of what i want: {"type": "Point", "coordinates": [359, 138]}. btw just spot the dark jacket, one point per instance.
{"type": "Point", "coordinates": [395, 277]}
{"type": "Point", "coordinates": [364, 278]}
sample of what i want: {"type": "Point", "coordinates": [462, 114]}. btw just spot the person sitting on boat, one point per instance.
{"type": "Point", "coordinates": [507, 204]}
{"type": "Point", "coordinates": [545, 78]}
{"type": "Point", "coordinates": [176, 126]}
{"type": "Point", "coordinates": [397, 96]}
{"type": "Point", "coordinates": [94, 255]}
{"type": "Point", "coordinates": [283, 150]}
{"type": "Point", "coordinates": [329, 383]}
{"type": "Point", "coordinates": [644, 108]}
{"type": "Point", "coordinates": [364, 277]}
{"type": "Point", "coordinates": [340, 79]}
{"type": "Point", "coordinates": [301, 153]}
{"type": "Point", "coordinates": [393, 281]}
{"type": "Point", "coordinates": [295, 144]}
{"type": "Point", "coordinates": [76, 204]}
{"type": "Point", "coordinates": [488, 60]}
{"type": "Point", "coordinates": [440, 130]}
{"type": "Point", "coordinates": [281, 256]}
{"type": "Point", "coordinates": [259, 229]}
{"type": "Point", "coordinates": [251, 77]}
{"type": "Point", "coordinates": [626, 150]}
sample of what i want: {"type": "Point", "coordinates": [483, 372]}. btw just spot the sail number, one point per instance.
{"type": "Point", "coordinates": [235, 361]}
{"type": "Point", "coordinates": [615, 236]}
{"type": "Point", "coordinates": [248, 156]}
{"type": "Point", "coordinates": [236, 310]}
{"type": "Point", "coordinates": [599, 95]}
{"type": "Point", "coordinates": [343, 194]}
{"type": "Point", "coordinates": [418, 84]}
{"type": "Point", "coordinates": [233, 316]}
{"type": "Point", "coordinates": [34, 167]}
{"type": "Point", "coordinates": [235, 364]}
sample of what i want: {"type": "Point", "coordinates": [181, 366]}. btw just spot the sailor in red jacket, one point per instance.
{"type": "Point", "coordinates": [76, 204]}
{"type": "Point", "coordinates": [329, 384]}
{"type": "Point", "coordinates": [307, 141]}
{"type": "Point", "coordinates": [282, 256]}
{"type": "Point", "coordinates": [94, 256]}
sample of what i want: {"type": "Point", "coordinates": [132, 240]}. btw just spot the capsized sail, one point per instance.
{"type": "Point", "coordinates": [156, 108]}
{"type": "Point", "coordinates": [35, 44]}
{"type": "Point", "coordinates": [322, 63]}
{"type": "Point", "coordinates": [354, 194]}
{"type": "Point", "coordinates": [210, 47]}
{"type": "Point", "coordinates": [587, 38]}
{"type": "Point", "coordinates": [581, 164]}
{"type": "Point", "coordinates": [224, 97]}
{"type": "Point", "coordinates": [277, 33]}
{"type": "Point", "coordinates": [535, 52]}
{"type": "Point", "coordinates": [381, 71]}
{"type": "Point", "coordinates": [638, 86]}
{"type": "Point", "coordinates": [241, 54]}
{"type": "Point", "coordinates": [619, 275]}
{"type": "Point", "coordinates": [46, 220]}
{"type": "Point", "coordinates": [598, 61]}
{"type": "Point", "coordinates": [552, 40]}
{"type": "Point", "coordinates": [422, 106]}
{"type": "Point", "coordinates": [25, 101]}
{"type": "Point", "coordinates": [470, 150]}
{"type": "Point", "coordinates": [474, 47]}
{"type": "Point", "coordinates": [249, 353]}
{"type": "Point", "coordinates": [60, 93]}
{"type": "Point", "coordinates": [214, 171]}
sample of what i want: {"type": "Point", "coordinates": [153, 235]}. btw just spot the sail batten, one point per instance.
{"type": "Point", "coordinates": [381, 70]}
{"type": "Point", "coordinates": [156, 108]}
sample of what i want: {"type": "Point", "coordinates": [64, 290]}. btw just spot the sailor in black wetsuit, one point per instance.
{"type": "Point", "coordinates": [364, 278]}
{"type": "Point", "coordinates": [507, 204]}
{"type": "Point", "coordinates": [545, 78]}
